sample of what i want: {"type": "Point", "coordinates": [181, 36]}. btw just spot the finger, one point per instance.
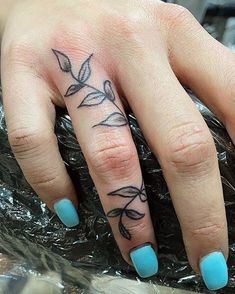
{"type": "Point", "coordinates": [207, 67]}
{"type": "Point", "coordinates": [181, 140]}
{"type": "Point", "coordinates": [30, 117]}
{"type": "Point", "coordinates": [101, 128]}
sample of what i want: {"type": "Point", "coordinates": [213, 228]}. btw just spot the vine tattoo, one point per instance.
{"type": "Point", "coordinates": [132, 193]}
{"type": "Point", "coordinates": [95, 96]}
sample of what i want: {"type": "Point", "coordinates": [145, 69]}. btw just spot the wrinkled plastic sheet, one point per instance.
{"type": "Point", "coordinates": [36, 242]}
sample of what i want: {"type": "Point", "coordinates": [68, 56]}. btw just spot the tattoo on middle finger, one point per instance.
{"type": "Point", "coordinates": [132, 193]}
{"type": "Point", "coordinates": [95, 97]}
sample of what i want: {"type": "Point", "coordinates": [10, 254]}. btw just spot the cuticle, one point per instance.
{"type": "Point", "coordinates": [140, 246]}
{"type": "Point", "coordinates": [203, 257]}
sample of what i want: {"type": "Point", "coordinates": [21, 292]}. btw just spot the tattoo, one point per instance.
{"type": "Point", "coordinates": [132, 193]}
{"type": "Point", "coordinates": [95, 96]}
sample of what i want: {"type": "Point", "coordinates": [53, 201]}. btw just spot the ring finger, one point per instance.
{"type": "Point", "coordinates": [104, 136]}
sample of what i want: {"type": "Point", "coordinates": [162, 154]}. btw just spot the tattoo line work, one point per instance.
{"type": "Point", "coordinates": [95, 97]}
{"type": "Point", "coordinates": [132, 193]}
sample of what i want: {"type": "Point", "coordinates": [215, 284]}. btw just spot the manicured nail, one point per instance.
{"type": "Point", "coordinates": [214, 270]}
{"type": "Point", "coordinates": [145, 261]}
{"type": "Point", "coordinates": [67, 212]}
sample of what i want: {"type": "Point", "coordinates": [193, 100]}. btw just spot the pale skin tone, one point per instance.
{"type": "Point", "coordinates": [146, 49]}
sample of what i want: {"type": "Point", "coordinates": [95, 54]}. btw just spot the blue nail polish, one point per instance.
{"type": "Point", "coordinates": [66, 212]}
{"type": "Point", "coordinates": [214, 270]}
{"type": "Point", "coordinates": [145, 261]}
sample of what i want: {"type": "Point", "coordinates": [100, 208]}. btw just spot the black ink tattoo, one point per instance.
{"type": "Point", "coordinates": [132, 193]}
{"type": "Point", "coordinates": [95, 97]}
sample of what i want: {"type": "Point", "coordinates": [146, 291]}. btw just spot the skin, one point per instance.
{"type": "Point", "coordinates": [146, 49]}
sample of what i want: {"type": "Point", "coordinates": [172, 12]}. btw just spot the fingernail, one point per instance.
{"type": "Point", "coordinates": [67, 212]}
{"type": "Point", "coordinates": [145, 261]}
{"type": "Point", "coordinates": [214, 270]}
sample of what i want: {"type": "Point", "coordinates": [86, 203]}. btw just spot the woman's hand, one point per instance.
{"type": "Point", "coordinates": [85, 55]}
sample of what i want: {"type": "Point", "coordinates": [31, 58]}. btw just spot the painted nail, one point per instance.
{"type": "Point", "coordinates": [145, 261]}
{"type": "Point", "coordinates": [214, 270]}
{"type": "Point", "coordinates": [67, 212]}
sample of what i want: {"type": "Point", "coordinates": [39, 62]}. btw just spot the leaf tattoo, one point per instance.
{"type": "Point", "coordinates": [133, 214]}
{"type": "Point", "coordinates": [132, 193]}
{"type": "Point", "coordinates": [108, 90]}
{"type": "Point", "coordinates": [115, 119]}
{"type": "Point", "coordinates": [85, 70]}
{"type": "Point", "coordinates": [127, 192]}
{"type": "Point", "coordinates": [124, 232]}
{"type": "Point", "coordinates": [115, 212]}
{"type": "Point", "coordinates": [95, 97]}
{"type": "Point", "coordinates": [73, 89]}
{"type": "Point", "coordinates": [63, 60]}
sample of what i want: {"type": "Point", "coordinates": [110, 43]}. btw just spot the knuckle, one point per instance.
{"type": "Point", "coordinates": [137, 228]}
{"type": "Point", "coordinates": [128, 30]}
{"type": "Point", "coordinates": [215, 229]}
{"type": "Point", "coordinates": [19, 51]}
{"type": "Point", "coordinates": [115, 159]}
{"type": "Point", "coordinates": [190, 150]}
{"type": "Point", "coordinates": [67, 37]}
{"type": "Point", "coordinates": [44, 180]}
{"type": "Point", "coordinates": [125, 24]}
{"type": "Point", "coordinates": [131, 26]}
{"type": "Point", "coordinates": [174, 17]}
{"type": "Point", "coordinates": [26, 142]}
{"type": "Point", "coordinates": [178, 15]}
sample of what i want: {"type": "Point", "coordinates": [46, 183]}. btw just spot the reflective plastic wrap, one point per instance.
{"type": "Point", "coordinates": [35, 242]}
